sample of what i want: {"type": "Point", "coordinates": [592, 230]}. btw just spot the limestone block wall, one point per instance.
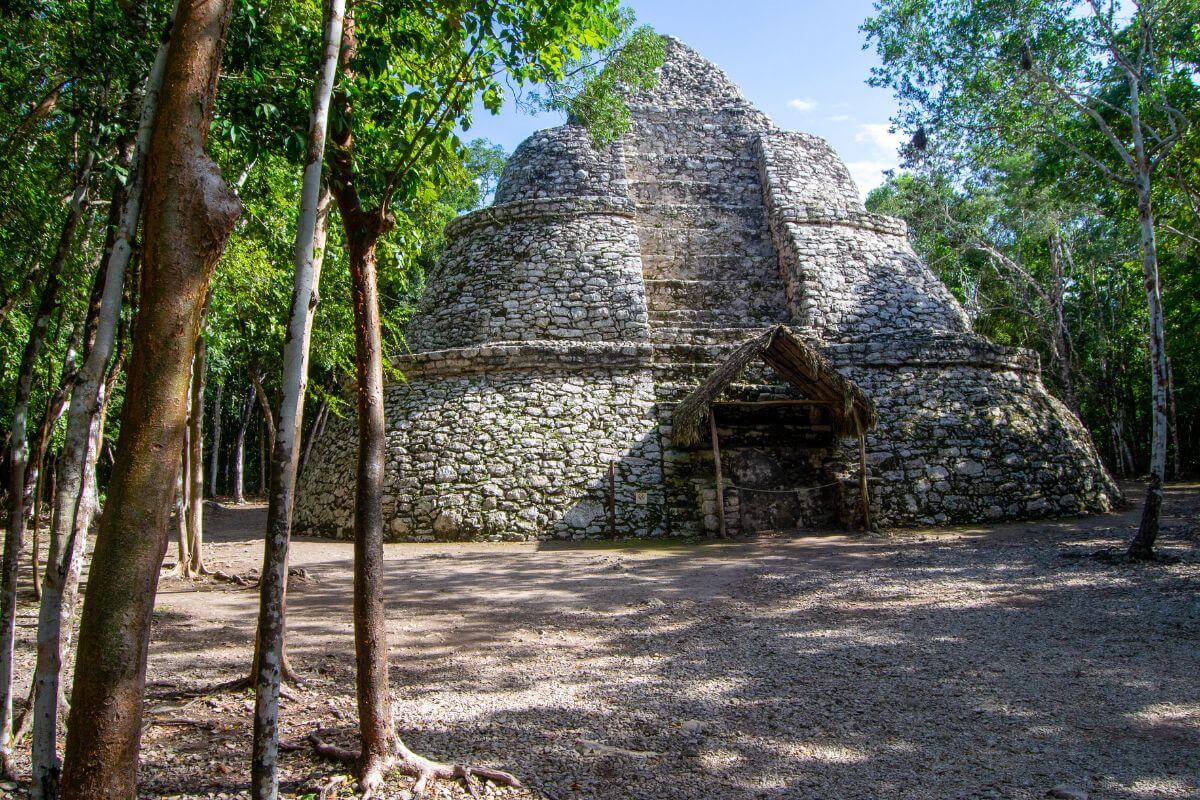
{"type": "Point", "coordinates": [566, 268]}
{"type": "Point", "coordinates": [506, 443]}
{"type": "Point", "coordinates": [561, 162]}
{"type": "Point", "coordinates": [848, 273]}
{"type": "Point", "coordinates": [967, 432]}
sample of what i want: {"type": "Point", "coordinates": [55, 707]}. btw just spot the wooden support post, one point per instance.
{"type": "Point", "coordinates": [716, 447]}
{"type": "Point", "coordinates": [863, 487]}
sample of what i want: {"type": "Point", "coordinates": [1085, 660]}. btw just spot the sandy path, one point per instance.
{"type": "Point", "coordinates": [941, 664]}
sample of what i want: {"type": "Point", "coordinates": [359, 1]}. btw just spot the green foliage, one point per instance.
{"type": "Point", "coordinates": [1022, 106]}
{"type": "Point", "coordinates": [593, 88]}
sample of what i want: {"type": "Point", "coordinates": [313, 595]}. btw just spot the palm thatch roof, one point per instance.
{"type": "Point", "coordinates": [796, 362]}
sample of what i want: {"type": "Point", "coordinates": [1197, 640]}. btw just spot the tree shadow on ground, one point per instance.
{"type": "Point", "coordinates": [980, 664]}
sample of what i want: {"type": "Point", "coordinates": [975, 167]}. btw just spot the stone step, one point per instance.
{"type": "Point", "coordinates": [685, 243]}
{"type": "Point", "coordinates": [711, 266]}
{"type": "Point", "coordinates": [674, 191]}
{"type": "Point", "coordinates": [737, 298]}
{"type": "Point", "coordinates": [714, 318]}
{"type": "Point", "coordinates": [741, 168]}
{"type": "Point", "coordinates": [724, 338]}
{"type": "Point", "coordinates": [692, 135]}
{"type": "Point", "coordinates": [742, 216]}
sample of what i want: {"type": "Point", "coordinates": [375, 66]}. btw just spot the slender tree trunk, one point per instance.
{"type": "Point", "coordinates": [307, 258]}
{"type": "Point", "coordinates": [182, 560]}
{"type": "Point", "coordinates": [35, 566]}
{"type": "Point", "coordinates": [55, 404]}
{"type": "Point", "coordinates": [363, 229]}
{"type": "Point", "coordinates": [1061, 337]}
{"type": "Point", "coordinates": [264, 405]}
{"type": "Point", "coordinates": [190, 213]}
{"type": "Point", "coordinates": [1142, 546]}
{"type": "Point", "coordinates": [376, 730]}
{"type": "Point", "coordinates": [74, 497]}
{"type": "Point", "coordinates": [18, 453]}
{"type": "Point", "coordinates": [239, 450]}
{"type": "Point", "coordinates": [195, 475]}
{"type": "Point", "coordinates": [1176, 452]}
{"type": "Point", "coordinates": [313, 435]}
{"type": "Point", "coordinates": [214, 462]}
{"type": "Point", "coordinates": [262, 459]}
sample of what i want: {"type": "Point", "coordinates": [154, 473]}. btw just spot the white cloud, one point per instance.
{"type": "Point", "coordinates": [880, 154]}
{"type": "Point", "coordinates": [880, 135]}
{"type": "Point", "coordinates": [802, 105]}
{"type": "Point", "coordinates": [869, 174]}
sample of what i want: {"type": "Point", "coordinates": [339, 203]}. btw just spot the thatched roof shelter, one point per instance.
{"type": "Point", "coordinates": [796, 362]}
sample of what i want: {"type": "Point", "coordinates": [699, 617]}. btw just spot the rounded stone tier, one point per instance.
{"type": "Point", "coordinates": [561, 162]}
{"type": "Point", "coordinates": [563, 268]}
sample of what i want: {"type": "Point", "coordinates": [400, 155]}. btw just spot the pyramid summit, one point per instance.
{"type": "Point", "coordinates": [698, 329]}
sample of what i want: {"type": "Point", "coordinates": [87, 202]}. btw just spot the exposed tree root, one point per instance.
{"type": "Point", "coordinates": [242, 684]}
{"type": "Point", "coordinates": [231, 577]}
{"type": "Point", "coordinates": [372, 768]}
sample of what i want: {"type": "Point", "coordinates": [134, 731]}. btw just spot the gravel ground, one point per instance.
{"type": "Point", "coordinates": [960, 663]}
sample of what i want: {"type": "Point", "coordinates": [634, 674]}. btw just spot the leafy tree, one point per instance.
{"type": "Point", "coordinates": [1067, 75]}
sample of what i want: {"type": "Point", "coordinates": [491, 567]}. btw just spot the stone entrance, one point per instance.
{"type": "Point", "coordinates": [777, 456]}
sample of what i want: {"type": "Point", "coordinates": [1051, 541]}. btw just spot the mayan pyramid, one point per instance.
{"type": "Point", "coordinates": [588, 344]}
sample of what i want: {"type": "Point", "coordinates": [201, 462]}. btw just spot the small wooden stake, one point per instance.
{"type": "Point", "coordinates": [716, 447]}
{"type": "Point", "coordinates": [863, 487]}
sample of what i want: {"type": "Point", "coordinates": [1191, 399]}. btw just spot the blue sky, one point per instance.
{"type": "Point", "coordinates": [801, 62]}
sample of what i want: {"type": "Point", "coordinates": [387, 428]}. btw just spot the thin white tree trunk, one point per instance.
{"type": "Point", "coordinates": [19, 452]}
{"type": "Point", "coordinates": [74, 506]}
{"type": "Point", "coordinates": [1142, 546]}
{"type": "Point", "coordinates": [195, 463]}
{"type": "Point", "coordinates": [214, 464]}
{"type": "Point", "coordinates": [308, 257]}
{"type": "Point", "coordinates": [182, 560]}
{"type": "Point", "coordinates": [239, 451]}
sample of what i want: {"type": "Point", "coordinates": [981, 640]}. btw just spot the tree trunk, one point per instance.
{"type": "Point", "coordinates": [1142, 546]}
{"type": "Point", "coordinates": [264, 405]}
{"type": "Point", "coordinates": [195, 475]}
{"type": "Point", "coordinates": [74, 504]}
{"type": "Point", "coordinates": [190, 214]}
{"type": "Point", "coordinates": [308, 257]}
{"type": "Point", "coordinates": [363, 228]}
{"type": "Point", "coordinates": [239, 451]}
{"type": "Point", "coordinates": [18, 453]}
{"type": "Point", "coordinates": [183, 562]}
{"type": "Point", "coordinates": [35, 549]}
{"type": "Point", "coordinates": [313, 435]}
{"type": "Point", "coordinates": [214, 463]}
{"type": "Point", "coordinates": [1061, 336]}
{"type": "Point", "coordinates": [50, 416]}
{"type": "Point", "coordinates": [376, 730]}
{"type": "Point", "coordinates": [262, 458]}
{"type": "Point", "coordinates": [1176, 451]}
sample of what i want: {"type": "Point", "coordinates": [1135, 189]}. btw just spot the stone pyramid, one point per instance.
{"type": "Point", "coordinates": [564, 323]}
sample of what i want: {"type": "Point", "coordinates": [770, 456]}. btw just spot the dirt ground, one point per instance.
{"type": "Point", "coordinates": [958, 663]}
